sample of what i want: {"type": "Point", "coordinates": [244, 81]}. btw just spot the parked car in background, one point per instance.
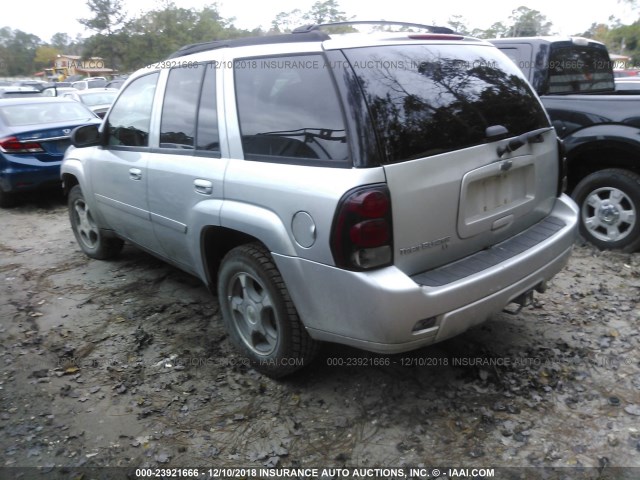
{"type": "Point", "coordinates": [380, 191]}
{"type": "Point", "coordinates": [34, 134]}
{"type": "Point", "coordinates": [37, 84]}
{"type": "Point", "coordinates": [627, 73]}
{"type": "Point", "coordinates": [19, 92]}
{"type": "Point", "coordinates": [97, 99]}
{"type": "Point", "coordinates": [90, 83]}
{"type": "Point", "coordinates": [57, 91]}
{"type": "Point", "coordinates": [116, 82]}
{"type": "Point", "coordinates": [628, 85]}
{"type": "Point", "coordinates": [599, 127]}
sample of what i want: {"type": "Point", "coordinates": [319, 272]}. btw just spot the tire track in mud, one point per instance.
{"type": "Point", "coordinates": [129, 365]}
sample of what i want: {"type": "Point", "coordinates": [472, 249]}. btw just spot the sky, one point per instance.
{"type": "Point", "coordinates": [44, 18]}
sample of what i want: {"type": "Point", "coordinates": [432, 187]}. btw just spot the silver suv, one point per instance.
{"type": "Point", "coordinates": [384, 191]}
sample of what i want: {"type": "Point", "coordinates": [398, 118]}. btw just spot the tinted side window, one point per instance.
{"type": "Point", "coordinates": [178, 122]}
{"type": "Point", "coordinates": [431, 99]}
{"type": "Point", "coordinates": [129, 121]}
{"type": "Point", "coordinates": [579, 69]}
{"type": "Point", "coordinates": [289, 110]}
{"type": "Point", "coordinates": [208, 137]}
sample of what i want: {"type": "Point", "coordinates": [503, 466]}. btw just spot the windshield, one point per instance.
{"type": "Point", "coordinates": [36, 113]}
{"type": "Point", "coordinates": [430, 99]}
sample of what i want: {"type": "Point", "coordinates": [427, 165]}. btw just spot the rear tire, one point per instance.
{"type": "Point", "coordinates": [7, 200]}
{"type": "Point", "coordinates": [609, 202]}
{"type": "Point", "coordinates": [90, 238]}
{"type": "Point", "coordinates": [259, 314]}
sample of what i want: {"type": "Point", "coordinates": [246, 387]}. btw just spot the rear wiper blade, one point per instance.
{"type": "Point", "coordinates": [534, 136]}
{"type": "Point", "coordinates": [310, 133]}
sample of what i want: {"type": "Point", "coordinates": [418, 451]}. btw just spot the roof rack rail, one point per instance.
{"type": "Point", "coordinates": [311, 36]}
{"type": "Point", "coordinates": [306, 33]}
{"type": "Point", "coordinates": [431, 28]}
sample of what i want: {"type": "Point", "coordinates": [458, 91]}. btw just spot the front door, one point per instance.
{"type": "Point", "coordinates": [119, 170]}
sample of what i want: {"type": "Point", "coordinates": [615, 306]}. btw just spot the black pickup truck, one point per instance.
{"type": "Point", "coordinates": [600, 129]}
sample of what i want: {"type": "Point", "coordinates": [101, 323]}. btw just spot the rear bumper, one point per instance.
{"type": "Point", "coordinates": [29, 175]}
{"type": "Point", "coordinates": [387, 311]}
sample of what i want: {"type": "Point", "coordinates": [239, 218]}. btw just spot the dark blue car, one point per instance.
{"type": "Point", "coordinates": [34, 134]}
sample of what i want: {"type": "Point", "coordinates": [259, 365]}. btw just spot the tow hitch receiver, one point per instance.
{"type": "Point", "coordinates": [520, 301]}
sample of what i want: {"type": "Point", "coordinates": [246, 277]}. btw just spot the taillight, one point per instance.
{"type": "Point", "coordinates": [362, 233]}
{"type": "Point", "coordinates": [436, 36]}
{"type": "Point", "coordinates": [13, 145]}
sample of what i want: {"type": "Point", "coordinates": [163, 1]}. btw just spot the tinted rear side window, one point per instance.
{"type": "Point", "coordinates": [574, 69]}
{"type": "Point", "coordinates": [289, 110]}
{"type": "Point", "coordinates": [178, 124]}
{"type": "Point", "coordinates": [431, 99]}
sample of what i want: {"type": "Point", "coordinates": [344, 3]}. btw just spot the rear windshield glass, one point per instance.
{"type": "Point", "coordinates": [98, 98]}
{"type": "Point", "coordinates": [575, 69]}
{"type": "Point", "coordinates": [427, 99]}
{"type": "Point", "coordinates": [98, 83]}
{"type": "Point", "coordinates": [35, 113]}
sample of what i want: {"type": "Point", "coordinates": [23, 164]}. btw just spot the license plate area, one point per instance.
{"type": "Point", "coordinates": [493, 196]}
{"type": "Point", "coordinates": [62, 145]}
{"type": "Point", "coordinates": [55, 148]}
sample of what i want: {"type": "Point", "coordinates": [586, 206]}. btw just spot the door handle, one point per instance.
{"type": "Point", "coordinates": [203, 187]}
{"type": "Point", "coordinates": [135, 174]}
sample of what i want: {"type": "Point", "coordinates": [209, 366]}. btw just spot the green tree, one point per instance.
{"type": "Point", "coordinates": [458, 24]}
{"type": "Point", "coordinates": [497, 30]}
{"type": "Point", "coordinates": [325, 12]}
{"type": "Point", "coordinates": [108, 16]}
{"type": "Point", "coordinates": [177, 27]}
{"type": "Point", "coordinates": [625, 40]}
{"type": "Point", "coordinates": [210, 25]}
{"type": "Point", "coordinates": [287, 21]}
{"type": "Point", "coordinates": [17, 52]}
{"type": "Point", "coordinates": [61, 41]}
{"type": "Point", "coordinates": [107, 20]}
{"type": "Point", "coordinates": [597, 31]}
{"type": "Point", "coordinates": [67, 45]}
{"type": "Point", "coordinates": [320, 12]}
{"type": "Point", "coordinates": [528, 23]}
{"type": "Point", "coordinates": [45, 57]}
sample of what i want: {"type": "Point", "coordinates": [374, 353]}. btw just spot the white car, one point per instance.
{"type": "Point", "coordinates": [57, 91]}
{"type": "Point", "coordinates": [97, 99]}
{"type": "Point", "coordinates": [96, 82]}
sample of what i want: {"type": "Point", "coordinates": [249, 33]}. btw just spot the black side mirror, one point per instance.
{"type": "Point", "coordinates": [86, 136]}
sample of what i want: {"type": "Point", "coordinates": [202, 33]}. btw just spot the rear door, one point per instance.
{"type": "Point", "coordinates": [444, 114]}
{"type": "Point", "coordinates": [187, 168]}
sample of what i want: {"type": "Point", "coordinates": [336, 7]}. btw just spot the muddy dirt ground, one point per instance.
{"type": "Point", "coordinates": [125, 363]}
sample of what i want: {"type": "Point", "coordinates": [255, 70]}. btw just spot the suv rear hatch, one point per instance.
{"type": "Point", "coordinates": [447, 118]}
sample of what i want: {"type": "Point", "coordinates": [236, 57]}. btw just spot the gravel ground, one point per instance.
{"type": "Point", "coordinates": [125, 363]}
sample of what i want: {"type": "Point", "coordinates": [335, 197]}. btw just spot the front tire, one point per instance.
{"type": "Point", "coordinates": [91, 240]}
{"type": "Point", "coordinates": [609, 202]}
{"type": "Point", "coordinates": [259, 314]}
